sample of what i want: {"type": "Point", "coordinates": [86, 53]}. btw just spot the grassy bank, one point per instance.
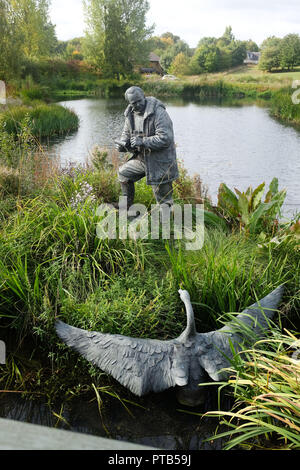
{"type": "Point", "coordinates": [206, 88]}
{"type": "Point", "coordinates": [244, 84]}
{"type": "Point", "coordinates": [283, 108]}
{"type": "Point", "coordinates": [241, 83]}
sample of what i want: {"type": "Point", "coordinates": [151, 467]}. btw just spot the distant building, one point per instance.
{"type": "Point", "coordinates": [154, 65]}
{"type": "Point", "coordinates": [252, 58]}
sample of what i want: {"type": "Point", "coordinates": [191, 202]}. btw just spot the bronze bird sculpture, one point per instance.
{"type": "Point", "coordinates": [149, 365]}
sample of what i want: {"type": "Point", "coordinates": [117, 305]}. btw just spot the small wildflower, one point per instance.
{"type": "Point", "coordinates": [85, 193]}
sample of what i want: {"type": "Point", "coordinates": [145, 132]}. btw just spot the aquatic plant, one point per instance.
{"type": "Point", "coordinates": [247, 208]}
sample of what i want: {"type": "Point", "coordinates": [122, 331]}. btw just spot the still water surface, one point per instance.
{"type": "Point", "coordinates": [239, 145]}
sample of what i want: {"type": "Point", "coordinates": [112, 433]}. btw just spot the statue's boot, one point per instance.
{"type": "Point", "coordinates": [128, 191]}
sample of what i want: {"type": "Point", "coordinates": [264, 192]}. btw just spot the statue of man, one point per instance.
{"type": "Point", "coordinates": [148, 134]}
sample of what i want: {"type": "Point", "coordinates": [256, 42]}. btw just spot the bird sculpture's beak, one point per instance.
{"type": "Point", "coordinates": [184, 295]}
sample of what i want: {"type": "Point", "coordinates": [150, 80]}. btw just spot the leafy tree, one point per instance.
{"type": "Point", "coordinates": [238, 51]}
{"type": "Point", "coordinates": [10, 43]}
{"type": "Point", "coordinates": [233, 51]}
{"type": "Point", "coordinates": [215, 54]}
{"type": "Point", "coordinates": [225, 58]}
{"type": "Point", "coordinates": [180, 65]}
{"type": "Point", "coordinates": [170, 37]}
{"type": "Point", "coordinates": [61, 48]}
{"type": "Point", "coordinates": [290, 51]}
{"type": "Point", "coordinates": [171, 52]}
{"type": "Point", "coordinates": [5, 40]}
{"type": "Point", "coordinates": [167, 58]}
{"type": "Point", "coordinates": [212, 60]}
{"type": "Point", "coordinates": [207, 41]}
{"type": "Point", "coordinates": [116, 51]}
{"type": "Point", "coordinates": [251, 46]}
{"type": "Point", "coordinates": [227, 37]}
{"type": "Point", "coordinates": [117, 34]}
{"type": "Point", "coordinates": [206, 59]}
{"type": "Point", "coordinates": [73, 49]}
{"type": "Point", "coordinates": [157, 45]}
{"type": "Point", "coordinates": [34, 27]}
{"type": "Point", "coordinates": [197, 62]}
{"type": "Point", "coordinates": [270, 54]}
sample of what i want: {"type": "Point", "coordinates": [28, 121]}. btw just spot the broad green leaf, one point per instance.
{"type": "Point", "coordinates": [273, 189]}
{"type": "Point", "coordinates": [243, 205]}
{"type": "Point", "coordinates": [249, 191]}
{"type": "Point", "coordinates": [256, 196]}
{"type": "Point", "coordinates": [228, 200]}
{"type": "Point", "coordinates": [261, 211]}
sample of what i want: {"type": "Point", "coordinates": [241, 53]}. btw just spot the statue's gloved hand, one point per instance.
{"type": "Point", "coordinates": [136, 141]}
{"type": "Point", "coordinates": [121, 146]}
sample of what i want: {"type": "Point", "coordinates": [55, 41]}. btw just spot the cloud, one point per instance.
{"type": "Point", "coordinates": [253, 19]}
{"type": "Point", "coordinates": [194, 19]}
{"type": "Point", "coordinates": [68, 17]}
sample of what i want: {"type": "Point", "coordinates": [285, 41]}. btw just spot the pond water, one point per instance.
{"type": "Point", "coordinates": [156, 420]}
{"type": "Point", "coordinates": [239, 144]}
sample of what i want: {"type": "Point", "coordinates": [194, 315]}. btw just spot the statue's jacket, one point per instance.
{"type": "Point", "coordinates": [159, 146]}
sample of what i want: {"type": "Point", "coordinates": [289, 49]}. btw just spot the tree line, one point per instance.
{"type": "Point", "coordinates": [277, 53]}
{"type": "Point", "coordinates": [118, 40]}
{"type": "Point", "coordinates": [211, 54]}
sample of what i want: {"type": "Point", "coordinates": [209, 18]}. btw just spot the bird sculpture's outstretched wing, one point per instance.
{"type": "Point", "coordinates": [142, 365]}
{"type": "Point", "coordinates": [214, 349]}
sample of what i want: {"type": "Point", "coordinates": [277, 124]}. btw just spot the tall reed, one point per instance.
{"type": "Point", "coordinates": [266, 388]}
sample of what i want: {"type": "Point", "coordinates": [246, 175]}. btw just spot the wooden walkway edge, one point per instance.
{"type": "Point", "coordinates": [16, 435]}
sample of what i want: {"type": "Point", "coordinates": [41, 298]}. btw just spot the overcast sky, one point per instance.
{"type": "Point", "coordinates": [194, 19]}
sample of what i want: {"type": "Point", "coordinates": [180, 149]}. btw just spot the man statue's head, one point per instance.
{"type": "Point", "coordinates": [136, 98]}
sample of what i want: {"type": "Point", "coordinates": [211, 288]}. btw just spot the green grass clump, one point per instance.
{"type": "Point", "coordinates": [45, 120]}
{"type": "Point", "coordinates": [282, 107]}
{"type": "Point", "coordinates": [265, 385]}
{"type": "Point", "coordinates": [228, 274]}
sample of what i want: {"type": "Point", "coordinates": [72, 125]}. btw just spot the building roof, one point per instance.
{"type": "Point", "coordinates": [153, 57]}
{"type": "Point", "coordinates": [253, 54]}
{"type": "Point", "coordinates": [252, 57]}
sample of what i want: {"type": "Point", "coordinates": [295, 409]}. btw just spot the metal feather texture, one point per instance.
{"type": "Point", "coordinates": [147, 365]}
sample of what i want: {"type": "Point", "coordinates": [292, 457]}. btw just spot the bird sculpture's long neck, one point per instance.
{"type": "Point", "coordinates": [190, 328]}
